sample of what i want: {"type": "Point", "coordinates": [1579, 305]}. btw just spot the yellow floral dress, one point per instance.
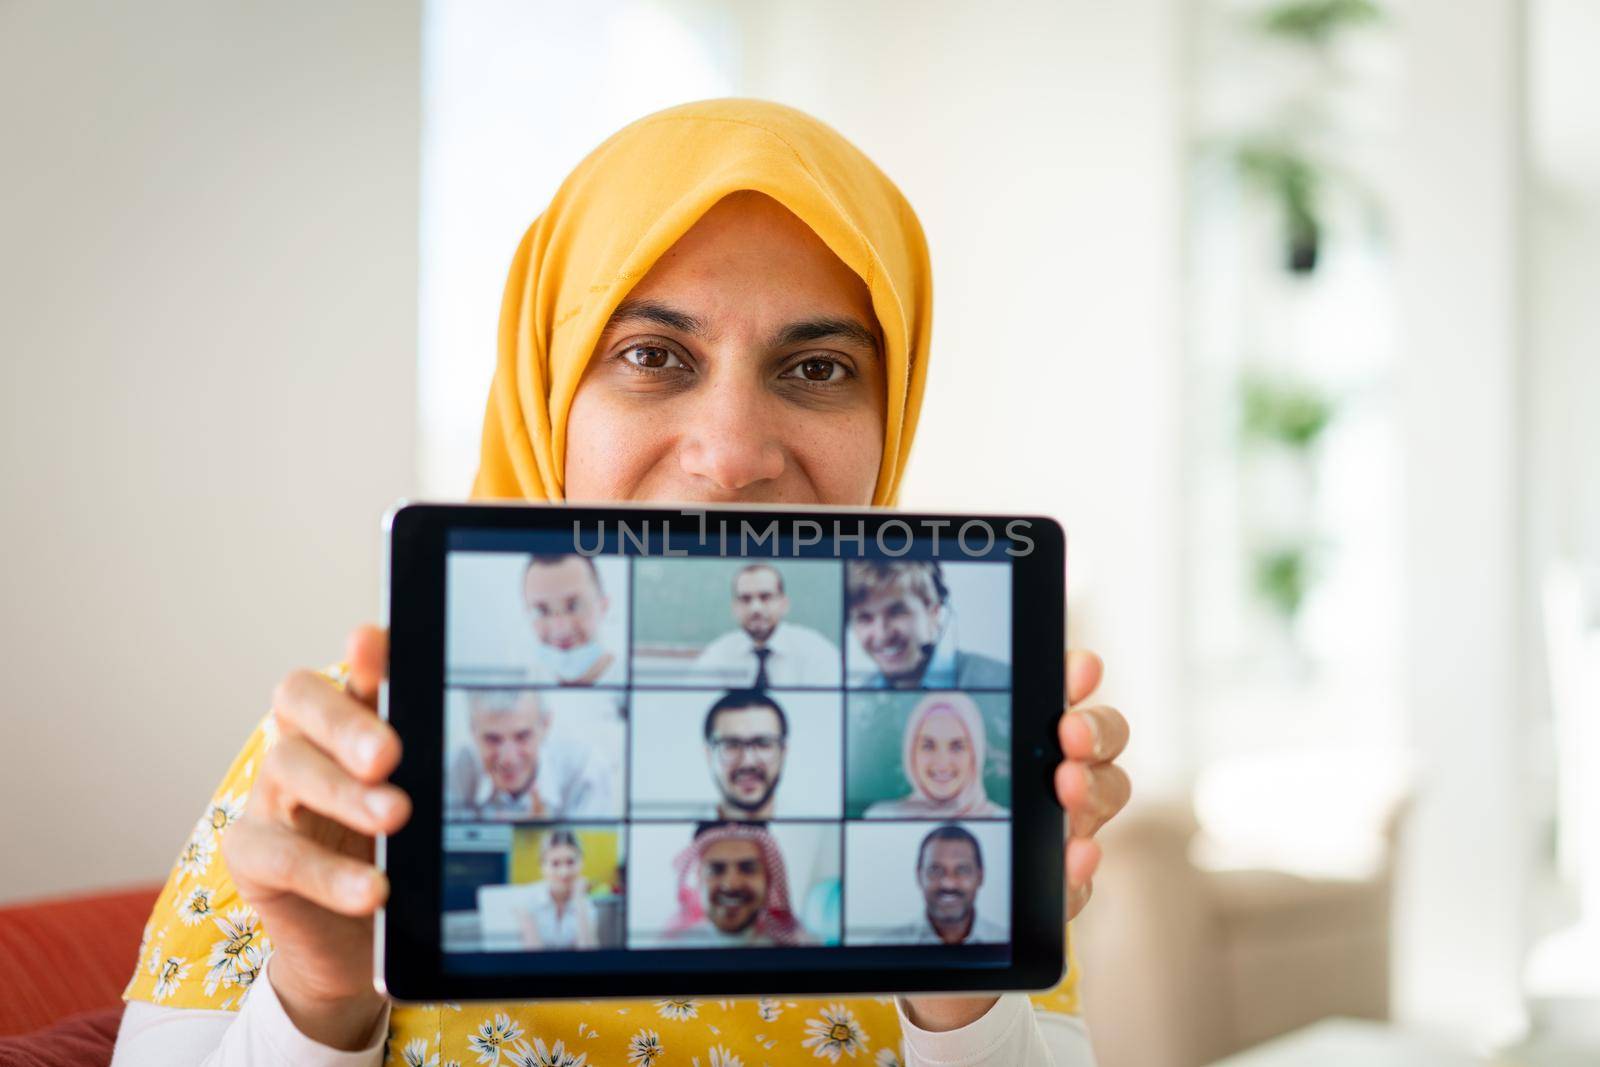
{"type": "Point", "coordinates": [203, 947]}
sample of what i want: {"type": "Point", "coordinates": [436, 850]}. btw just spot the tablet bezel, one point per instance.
{"type": "Point", "coordinates": [409, 960]}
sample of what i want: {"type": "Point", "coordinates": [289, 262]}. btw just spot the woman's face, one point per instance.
{"type": "Point", "coordinates": [561, 866]}
{"type": "Point", "coordinates": [942, 756]}
{"type": "Point", "coordinates": [745, 366]}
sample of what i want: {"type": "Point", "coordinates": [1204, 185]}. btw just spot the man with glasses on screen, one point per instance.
{"type": "Point", "coordinates": [766, 650]}
{"type": "Point", "coordinates": [949, 874]}
{"type": "Point", "coordinates": [747, 738]}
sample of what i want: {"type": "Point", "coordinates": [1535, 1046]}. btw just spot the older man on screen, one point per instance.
{"type": "Point", "coordinates": [766, 650]}
{"type": "Point", "coordinates": [515, 770]}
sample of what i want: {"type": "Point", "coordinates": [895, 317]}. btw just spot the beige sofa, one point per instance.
{"type": "Point", "coordinates": [1183, 965]}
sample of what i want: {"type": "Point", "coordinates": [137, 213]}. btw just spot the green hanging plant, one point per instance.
{"type": "Point", "coordinates": [1282, 411]}
{"type": "Point", "coordinates": [1314, 22]}
{"type": "Point", "coordinates": [1294, 183]}
{"type": "Point", "coordinates": [1281, 576]}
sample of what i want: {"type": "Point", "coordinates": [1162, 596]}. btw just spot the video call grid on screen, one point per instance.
{"type": "Point", "coordinates": [581, 752]}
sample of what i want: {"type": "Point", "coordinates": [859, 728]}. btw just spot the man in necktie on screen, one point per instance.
{"type": "Point", "coordinates": [743, 894]}
{"type": "Point", "coordinates": [766, 650]}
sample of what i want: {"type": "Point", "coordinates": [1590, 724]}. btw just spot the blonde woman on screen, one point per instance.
{"type": "Point", "coordinates": [943, 755]}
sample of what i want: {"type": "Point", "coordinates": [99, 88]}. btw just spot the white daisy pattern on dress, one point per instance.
{"type": "Point", "coordinates": [195, 908]}
{"type": "Point", "coordinates": [237, 958]}
{"type": "Point", "coordinates": [678, 1010]}
{"type": "Point", "coordinates": [721, 1057]}
{"type": "Point", "coordinates": [195, 859]}
{"type": "Point", "coordinates": [415, 1054]}
{"type": "Point", "coordinates": [224, 812]}
{"type": "Point", "coordinates": [644, 1048]}
{"type": "Point", "coordinates": [153, 961]}
{"type": "Point", "coordinates": [769, 1009]}
{"type": "Point", "coordinates": [493, 1036]}
{"type": "Point", "coordinates": [169, 973]}
{"type": "Point", "coordinates": [887, 1057]}
{"type": "Point", "coordinates": [836, 1032]}
{"type": "Point", "coordinates": [540, 1056]}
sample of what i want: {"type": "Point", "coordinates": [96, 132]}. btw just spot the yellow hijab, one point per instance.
{"type": "Point", "coordinates": [628, 202]}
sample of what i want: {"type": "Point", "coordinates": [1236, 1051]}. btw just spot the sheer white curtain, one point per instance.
{"type": "Point", "coordinates": [513, 96]}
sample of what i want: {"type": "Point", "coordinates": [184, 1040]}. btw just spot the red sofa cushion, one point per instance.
{"type": "Point", "coordinates": [83, 1040]}
{"type": "Point", "coordinates": [66, 956]}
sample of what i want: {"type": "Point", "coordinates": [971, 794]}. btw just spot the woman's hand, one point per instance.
{"type": "Point", "coordinates": [302, 853]}
{"type": "Point", "coordinates": [1088, 783]}
{"type": "Point", "coordinates": [1091, 787]}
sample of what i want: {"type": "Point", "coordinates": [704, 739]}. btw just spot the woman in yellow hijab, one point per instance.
{"type": "Point", "coordinates": [725, 301]}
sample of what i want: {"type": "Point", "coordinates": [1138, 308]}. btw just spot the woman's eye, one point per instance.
{"type": "Point", "coordinates": [819, 369]}
{"type": "Point", "coordinates": [652, 357]}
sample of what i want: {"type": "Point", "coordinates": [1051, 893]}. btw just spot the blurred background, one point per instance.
{"type": "Point", "coordinates": [1287, 308]}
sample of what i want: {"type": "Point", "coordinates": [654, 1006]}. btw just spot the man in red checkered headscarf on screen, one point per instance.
{"type": "Point", "coordinates": [733, 890]}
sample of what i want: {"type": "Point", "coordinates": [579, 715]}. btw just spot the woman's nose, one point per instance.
{"type": "Point", "coordinates": [731, 444]}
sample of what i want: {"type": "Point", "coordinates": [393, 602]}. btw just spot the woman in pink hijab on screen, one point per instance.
{"type": "Point", "coordinates": [943, 757]}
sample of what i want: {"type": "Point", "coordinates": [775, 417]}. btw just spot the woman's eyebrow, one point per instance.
{"type": "Point", "coordinates": [657, 313]}
{"type": "Point", "coordinates": [805, 331]}
{"type": "Point", "coordinates": [822, 329]}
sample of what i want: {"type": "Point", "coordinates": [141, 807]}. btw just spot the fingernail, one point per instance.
{"type": "Point", "coordinates": [356, 884]}
{"type": "Point", "coordinates": [382, 804]}
{"type": "Point", "coordinates": [1088, 778]}
{"type": "Point", "coordinates": [367, 747]}
{"type": "Point", "coordinates": [1094, 733]}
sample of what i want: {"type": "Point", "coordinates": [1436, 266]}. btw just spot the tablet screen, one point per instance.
{"type": "Point", "coordinates": [659, 743]}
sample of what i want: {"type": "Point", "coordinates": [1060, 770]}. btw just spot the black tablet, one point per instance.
{"type": "Point", "coordinates": [722, 751]}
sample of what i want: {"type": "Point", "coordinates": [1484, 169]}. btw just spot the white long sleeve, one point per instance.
{"type": "Point", "coordinates": [259, 1034]}
{"type": "Point", "coordinates": [1010, 1034]}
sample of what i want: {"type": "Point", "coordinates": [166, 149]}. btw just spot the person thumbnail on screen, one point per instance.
{"type": "Point", "coordinates": [530, 754]}
{"type": "Point", "coordinates": [557, 619]}
{"type": "Point", "coordinates": [567, 604]}
{"type": "Point", "coordinates": [941, 755]}
{"type": "Point", "coordinates": [741, 754]}
{"type": "Point", "coordinates": [533, 888]}
{"type": "Point", "coordinates": [922, 884]}
{"type": "Point", "coordinates": [903, 619]}
{"type": "Point", "coordinates": [735, 885]}
{"type": "Point", "coordinates": [785, 623]}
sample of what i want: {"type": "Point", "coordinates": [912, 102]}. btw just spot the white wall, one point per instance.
{"type": "Point", "coordinates": [1041, 145]}
{"type": "Point", "coordinates": [1563, 201]}
{"type": "Point", "coordinates": [207, 342]}
{"type": "Point", "coordinates": [1467, 846]}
